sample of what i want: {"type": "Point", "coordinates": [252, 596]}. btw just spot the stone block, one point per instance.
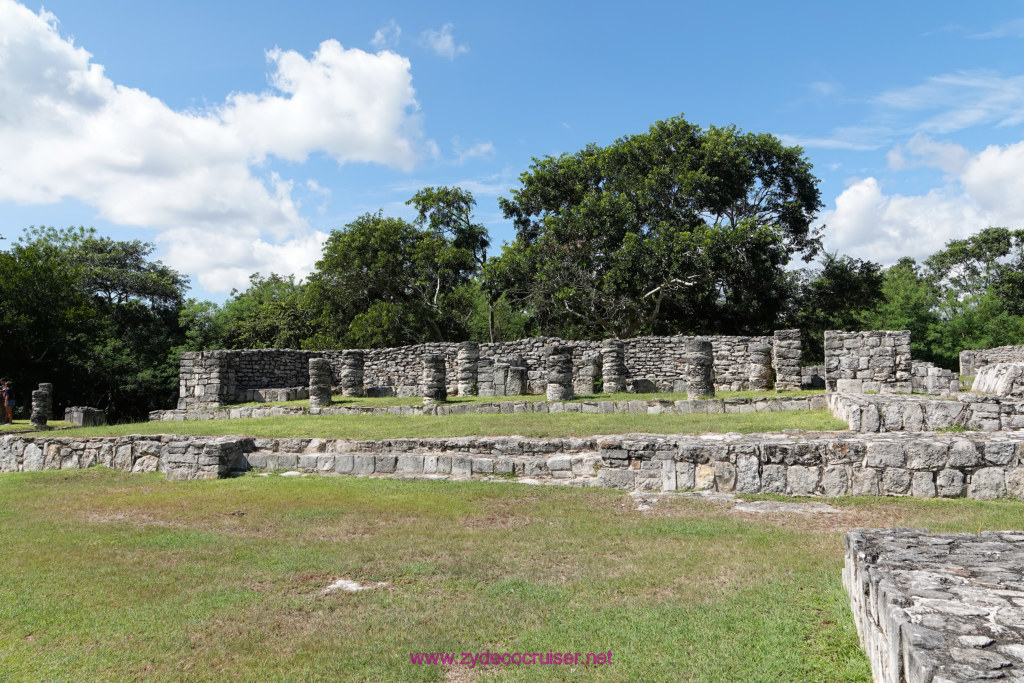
{"type": "Point", "coordinates": [704, 477]}
{"type": "Point", "coordinates": [885, 454]}
{"type": "Point", "coordinates": [617, 479]}
{"type": "Point", "coordinates": [922, 485]}
{"type": "Point", "coordinates": [364, 464]}
{"type": "Point", "coordinates": [802, 481]}
{"type": "Point", "coordinates": [895, 481]}
{"type": "Point", "coordinates": [835, 481]}
{"type": "Point", "coordinates": [925, 455]}
{"type": "Point", "coordinates": [950, 483]}
{"type": "Point", "coordinates": [386, 464]}
{"type": "Point", "coordinates": [344, 463]}
{"type": "Point", "coordinates": [773, 479]}
{"type": "Point", "coordinates": [725, 476]}
{"type": "Point", "coordinates": [864, 482]}
{"type": "Point", "coordinates": [988, 483]}
{"type": "Point", "coordinates": [411, 464]}
{"type": "Point", "coordinates": [748, 479]}
{"type": "Point", "coordinates": [462, 466]}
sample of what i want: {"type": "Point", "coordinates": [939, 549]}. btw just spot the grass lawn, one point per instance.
{"type": "Point", "coordinates": [387, 401]}
{"type": "Point", "coordinates": [114, 576]}
{"type": "Point", "coordinates": [502, 424]}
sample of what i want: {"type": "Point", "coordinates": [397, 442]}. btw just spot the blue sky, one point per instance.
{"type": "Point", "coordinates": [235, 136]}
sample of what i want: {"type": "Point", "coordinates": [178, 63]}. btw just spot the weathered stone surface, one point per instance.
{"type": "Point", "coordinates": [433, 379]}
{"type": "Point", "coordinates": [319, 382]}
{"type": "Point", "coordinates": [700, 373]}
{"type": "Point", "coordinates": [1001, 379]}
{"type": "Point", "coordinates": [937, 607]}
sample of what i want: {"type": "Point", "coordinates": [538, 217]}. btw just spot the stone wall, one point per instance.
{"type": "Point", "coordinates": [211, 378]}
{"type": "Point", "coordinates": [977, 465]}
{"type": "Point", "coordinates": [973, 360]}
{"type": "Point", "coordinates": [877, 361]}
{"type": "Point", "coordinates": [928, 378]}
{"type": "Point", "coordinates": [638, 406]}
{"type": "Point", "coordinates": [878, 413]}
{"type": "Point", "coordinates": [937, 607]}
{"type": "Point", "coordinates": [178, 456]}
{"type": "Point", "coordinates": [1001, 379]}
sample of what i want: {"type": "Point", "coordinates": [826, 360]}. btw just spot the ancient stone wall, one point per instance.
{"type": "Point", "coordinates": [638, 406]}
{"type": "Point", "coordinates": [937, 607]}
{"type": "Point", "coordinates": [973, 360]}
{"type": "Point", "coordinates": [976, 465]}
{"type": "Point", "coordinates": [1001, 379]}
{"type": "Point", "coordinates": [211, 378]}
{"type": "Point", "coordinates": [878, 413]}
{"type": "Point", "coordinates": [178, 456]}
{"type": "Point", "coordinates": [876, 361]}
{"type": "Point", "coordinates": [928, 378]}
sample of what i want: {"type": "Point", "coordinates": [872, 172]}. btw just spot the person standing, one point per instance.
{"type": "Point", "coordinates": [7, 393]}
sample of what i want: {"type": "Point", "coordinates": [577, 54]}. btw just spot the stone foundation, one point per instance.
{"type": "Point", "coordinates": [981, 466]}
{"type": "Point", "coordinates": [938, 607]}
{"type": "Point", "coordinates": [878, 413]}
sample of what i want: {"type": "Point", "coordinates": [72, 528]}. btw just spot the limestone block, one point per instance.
{"type": "Point", "coordinates": [950, 483]}
{"type": "Point", "coordinates": [988, 483]}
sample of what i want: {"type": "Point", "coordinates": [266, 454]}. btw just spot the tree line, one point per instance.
{"type": "Point", "coordinates": [677, 230]}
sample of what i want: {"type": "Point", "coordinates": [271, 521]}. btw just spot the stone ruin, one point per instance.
{"type": "Point", "coordinates": [210, 379]}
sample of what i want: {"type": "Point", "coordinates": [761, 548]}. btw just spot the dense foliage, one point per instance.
{"type": "Point", "coordinates": [678, 230]}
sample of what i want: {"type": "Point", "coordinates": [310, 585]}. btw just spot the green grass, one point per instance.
{"type": "Point", "coordinates": [503, 424]}
{"type": "Point", "coordinates": [388, 401]}
{"type": "Point", "coordinates": [114, 576]}
{"type": "Point", "coordinates": [24, 425]}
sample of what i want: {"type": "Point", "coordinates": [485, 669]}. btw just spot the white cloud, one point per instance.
{"type": "Point", "coordinates": [68, 131]}
{"type": "Point", "coordinates": [480, 150]}
{"type": "Point", "coordinates": [922, 150]}
{"type": "Point", "coordinates": [443, 42]}
{"type": "Point", "coordinates": [1011, 29]}
{"type": "Point", "coordinates": [387, 36]}
{"type": "Point", "coordinates": [961, 99]}
{"type": "Point", "coordinates": [986, 190]}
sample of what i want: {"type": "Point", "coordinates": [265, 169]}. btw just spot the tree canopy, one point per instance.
{"type": "Point", "coordinates": [677, 229]}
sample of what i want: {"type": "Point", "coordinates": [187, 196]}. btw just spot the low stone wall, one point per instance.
{"type": "Point", "coordinates": [180, 457]}
{"type": "Point", "coordinates": [982, 466]}
{"type": "Point", "coordinates": [639, 407]}
{"type": "Point", "coordinates": [928, 378]}
{"type": "Point", "coordinates": [974, 359]}
{"type": "Point", "coordinates": [812, 377]}
{"type": "Point", "coordinates": [937, 607]}
{"type": "Point", "coordinates": [879, 413]}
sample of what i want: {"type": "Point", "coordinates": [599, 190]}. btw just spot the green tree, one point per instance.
{"type": "Point", "coordinates": [677, 229]}
{"type": "Point", "coordinates": [384, 282]}
{"type": "Point", "coordinates": [95, 316]}
{"type": "Point", "coordinates": [909, 301]}
{"type": "Point", "coordinates": [834, 297]}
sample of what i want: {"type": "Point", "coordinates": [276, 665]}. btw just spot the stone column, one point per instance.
{"type": "Point", "coordinates": [559, 361]}
{"type": "Point", "coordinates": [352, 373]}
{"type": "Point", "coordinates": [700, 368]}
{"type": "Point", "coordinates": [319, 382]}
{"type": "Point", "coordinates": [759, 368]}
{"type": "Point", "coordinates": [515, 383]}
{"type": "Point", "coordinates": [613, 356]}
{"type": "Point", "coordinates": [38, 415]}
{"type": "Point", "coordinates": [434, 389]}
{"type": "Point", "coordinates": [48, 388]}
{"type": "Point", "coordinates": [587, 373]}
{"type": "Point", "coordinates": [467, 361]}
{"type": "Point", "coordinates": [787, 357]}
{"type": "Point", "coordinates": [499, 383]}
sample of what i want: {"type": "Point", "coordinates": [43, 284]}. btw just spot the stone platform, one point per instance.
{"type": "Point", "coordinates": [937, 608]}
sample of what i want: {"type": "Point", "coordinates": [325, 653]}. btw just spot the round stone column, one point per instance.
{"type": "Point", "coordinates": [559, 361]}
{"type": "Point", "coordinates": [38, 415]}
{"type": "Point", "coordinates": [588, 371]}
{"type": "Point", "coordinates": [48, 388]}
{"type": "Point", "coordinates": [759, 371]}
{"type": "Point", "coordinates": [467, 362]}
{"type": "Point", "coordinates": [700, 368]}
{"type": "Point", "coordinates": [319, 382]}
{"type": "Point", "coordinates": [434, 388]}
{"type": "Point", "coordinates": [613, 357]}
{"type": "Point", "coordinates": [352, 373]}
